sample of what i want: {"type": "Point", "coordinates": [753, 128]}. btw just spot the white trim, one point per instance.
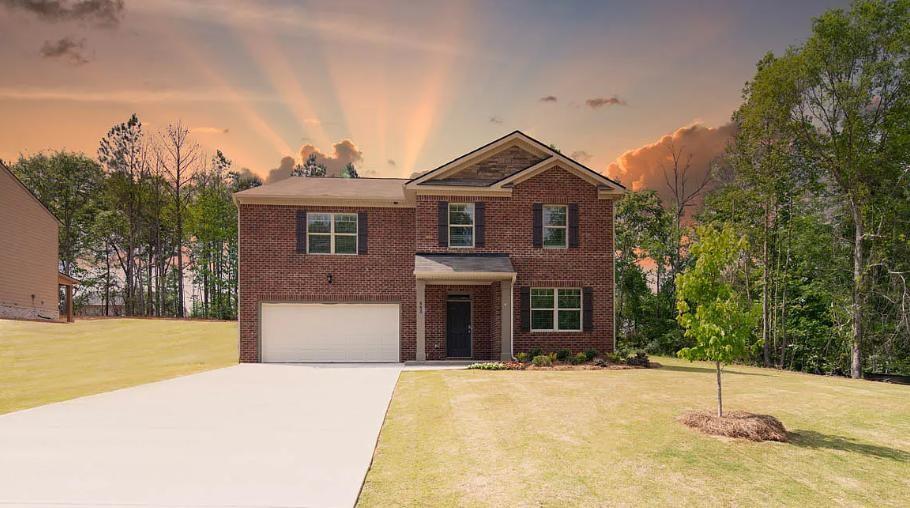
{"type": "Point", "coordinates": [365, 202]}
{"type": "Point", "coordinates": [556, 310]}
{"type": "Point", "coordinates": [332, 234]}
{"type": "Point", "coordinates": [464, 278]}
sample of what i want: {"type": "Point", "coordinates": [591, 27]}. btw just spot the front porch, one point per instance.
{"type": "Point", "coordinates": [464, 307]}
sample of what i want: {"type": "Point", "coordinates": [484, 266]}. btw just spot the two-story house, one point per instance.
{"type": "Point", "coordinates": [502, 250]}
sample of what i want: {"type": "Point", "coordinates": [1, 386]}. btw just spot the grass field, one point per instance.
{"type": "Point", "coordinates": [49, 362]}
{"type": "Point", "coordinates": [594, 438]}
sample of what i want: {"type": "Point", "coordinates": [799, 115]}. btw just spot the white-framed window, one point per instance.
{"type": "Point", "coordinates": [461, 224]}
{"type": "Point", "coordinates": [555, 309]}
{"type": "Point", "coordinates": [331, 233]}
{"type": "Point", "coordinates": [555, 226]}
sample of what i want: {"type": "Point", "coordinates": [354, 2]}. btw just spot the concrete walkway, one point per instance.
{"type": "Point", "coordinates": [250, 435]}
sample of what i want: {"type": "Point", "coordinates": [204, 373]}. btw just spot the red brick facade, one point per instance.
{"type": "Point", "coordinates": [272, 271]}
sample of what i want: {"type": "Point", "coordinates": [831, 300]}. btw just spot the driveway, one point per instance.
{"type": "Point", "coordinates": [249, 435]}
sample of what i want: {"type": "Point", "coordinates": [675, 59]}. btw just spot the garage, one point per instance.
{"type": "Point", "coordinates": [330, 332]}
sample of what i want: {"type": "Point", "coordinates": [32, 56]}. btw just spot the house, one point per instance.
{"type": "Point", "coordinates": [29, 277]}
{"type": "Point", "coordinates": [502, 250]}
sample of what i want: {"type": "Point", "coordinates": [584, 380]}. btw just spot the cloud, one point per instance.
{"type": "Point", "coordinates": [581, 156]}
{"type": "Point", "coordinates": [391, 162]}
{"type": "Point", "coordinates": [67, 49]}
{"type": "Point", "coordinates": [599, 102]}
{"type": "Point", "coordinates": [643, 167]}
{"type": "Point", "coordinates": [495, 119]}
{"type": "Point", "coordinates": [343, 153]}
{"type": "Point", "coordinates": [102, 13]}
{"type": "Point", "coordinates": [209, 130]}
{"type": "Point", "coordinates": [128, 95]}
{"type": "Point", "coordinates": [548, 98]}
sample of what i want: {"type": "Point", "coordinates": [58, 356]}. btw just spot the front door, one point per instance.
{"type": "Point", "coordinates": [458, 328]}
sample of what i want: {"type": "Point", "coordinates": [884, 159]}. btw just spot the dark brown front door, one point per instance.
{"type": "Point", "coordinates": [458, 329]}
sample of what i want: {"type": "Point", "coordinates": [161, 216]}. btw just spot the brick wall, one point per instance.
{"type": "Point", "coordinates": [509, 230]}
{"type": "Point", "coordinates": [272, 271]}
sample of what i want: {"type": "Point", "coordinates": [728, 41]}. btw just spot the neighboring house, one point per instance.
{"type": "Point", "coordinates": [29, 277]}
{"type": "Point", "coordinates": [505, 249]}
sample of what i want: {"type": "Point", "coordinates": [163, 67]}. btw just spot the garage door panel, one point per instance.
{"type": "Point", "coordinates": [330, 332]}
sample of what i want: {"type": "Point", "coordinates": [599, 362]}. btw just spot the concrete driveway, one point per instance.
{"type": "Point", "coordinates": [250, 435]}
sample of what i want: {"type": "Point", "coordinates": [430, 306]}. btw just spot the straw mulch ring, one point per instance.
{"type": "Point", "coordinates": [736, 424]}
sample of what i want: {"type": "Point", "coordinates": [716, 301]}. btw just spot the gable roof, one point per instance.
{"type": "Point", "coordinates": [551, 158]}
{"type": "Point", "coordinates": [28, 191]}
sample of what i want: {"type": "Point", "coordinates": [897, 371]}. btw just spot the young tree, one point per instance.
{"type": "Point", "coordinates": [349, 171]}
{"type": "Point", "coordinates": [310, 167]}
{"type": "Point", "coordinates": [713, 315]}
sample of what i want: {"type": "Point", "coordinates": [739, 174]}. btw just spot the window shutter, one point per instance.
{"type": "Point", "coordinates": [480, 224]}
{"type": "Point", "coordinates": [537, 209]}
{"type": "Point", "coordinates": [301, 231]}
{"type": "Point", "coordinates": [573, 225]}
{"type": "Point", "coordinates": [362, 239]}
{"type": "Point", "coordinates": [587, 309]}
{"type": "Point", "coordinates": [443, 216]}
{"type": "Point", "coordinates": [525, 308]}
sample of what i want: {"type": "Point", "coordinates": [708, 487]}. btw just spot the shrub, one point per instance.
{"type": "Point", "coordinates": [542, 361]}
{"type": "Point", "coordinates": [535, 352]}
{"type": "Point", "coordinates": [601, 362]}
{"type": "Point", "coordinates": [563, 354]}
{"type": "Point", "coordinates": [614, 358]}
{"type": "Point", "coordinates": [590, 354]}
{"type": "Point", "coordinates": [552, 356]}
{"type": "Point", "coordinates": [488, 366]}
{"type": "Point", "coordinates": [639, 360]}
{"type": "Point", "coordinates": [579, 359]}
{"type": "Point", "coordinates": [522, 357]}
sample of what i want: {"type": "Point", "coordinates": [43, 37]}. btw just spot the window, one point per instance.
{"type": "Point", "coordinates": [555, 310]}
{"type": "Point", "coordinates": [554, 226]}
{"type": "Point", "coordinates": [461, 224]}
{"type": "Point", "coordinates": [331, 233]}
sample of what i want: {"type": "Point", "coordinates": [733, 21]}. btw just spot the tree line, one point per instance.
{"type": "Point", "coordinates": [816, 184]}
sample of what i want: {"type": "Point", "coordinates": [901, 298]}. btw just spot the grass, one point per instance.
{"type": "Point", "coordinates": [594, 438]}
{"type": "Point", "coordinates": [42, 363]}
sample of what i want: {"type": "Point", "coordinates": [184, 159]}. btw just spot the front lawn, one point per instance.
{"type": "Point", "coordinates": [608, 437]}
{"type": "Point", "coordinates": [49, 362]}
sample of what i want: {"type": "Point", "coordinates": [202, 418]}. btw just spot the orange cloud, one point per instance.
{"type": "Point", "coordinates": [344, 152]}
{"type": "Point", "coordinates": [643, 167]}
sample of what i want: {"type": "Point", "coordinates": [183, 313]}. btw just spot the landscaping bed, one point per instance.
{"type": "Point", "coordinates": [565, 360]}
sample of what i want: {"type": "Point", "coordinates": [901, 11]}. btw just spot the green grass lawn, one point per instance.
{"type": "Point", "coordinates": [49, 362]}
{"type": "Point", "coordinates": [475, 438]}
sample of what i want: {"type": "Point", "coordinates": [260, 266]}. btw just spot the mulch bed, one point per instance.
{"type": "Point", "coordinates": [589, 366]}
{"type": "Point", "coordinates": [736, 424]}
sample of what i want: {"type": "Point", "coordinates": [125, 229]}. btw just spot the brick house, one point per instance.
{"type": "Point", "coordinates": [502, 250]}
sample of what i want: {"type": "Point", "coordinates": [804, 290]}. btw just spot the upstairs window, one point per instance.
{"type": "Point", "coordinates": [332, 233]}
{"type": "Point", "coordinates": [555, 226]}
{"type": "Point", "coordinates": [461, 224]}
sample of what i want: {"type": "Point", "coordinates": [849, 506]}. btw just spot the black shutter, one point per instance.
{"type": "Point", "coordinates": [537, 210]}
{"type": "Point", "coordinates": [480, 224]}
{"type": "Point", "coordinates": [573, 225]}
{"type": "Point", "coordinates": [525, 308]}
{"type": "Point", "coordinates": [362, 230]}
{"type": "Point", "coordinates": [301, 231]}
{"type": "Point", "coordinates": [587, 309]}
{"type": "Point", "coordinates": [443, 226]}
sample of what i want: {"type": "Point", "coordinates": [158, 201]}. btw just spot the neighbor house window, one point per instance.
{"type": "Point", "coordinates": [461, 224]}
{"type": "Point", "coordinates": [332, 233]}
{"type": "Point", "coordinates": [554, 226]}
{"type": "Point", "coordinates": [555, 309]}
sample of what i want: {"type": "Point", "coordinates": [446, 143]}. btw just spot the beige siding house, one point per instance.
{"type": "Point", "coordinates": [28, 254]}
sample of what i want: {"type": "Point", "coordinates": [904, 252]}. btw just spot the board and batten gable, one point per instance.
{"type": "Point", "coordinates": [28, 253]}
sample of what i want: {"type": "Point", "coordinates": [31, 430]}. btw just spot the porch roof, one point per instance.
{"type": "Point", "coordinates": [465, 267]}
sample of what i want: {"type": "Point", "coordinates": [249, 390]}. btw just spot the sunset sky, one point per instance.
{"type": "Point", "coordinates": [396, 88]}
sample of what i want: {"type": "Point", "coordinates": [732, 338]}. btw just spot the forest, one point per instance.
{"type": "Point", "coordinates": [815, 185]}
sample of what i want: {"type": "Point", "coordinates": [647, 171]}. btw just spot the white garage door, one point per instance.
{"type": "Point", "coordinates": [343, 332]}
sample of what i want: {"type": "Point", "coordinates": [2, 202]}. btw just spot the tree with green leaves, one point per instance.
{"type": "Point", "coordinates": [349, 171]}
{"type": "Point", "coordinates": [714, 316]}
{"type": "Point", "coordinates": [310, 167]}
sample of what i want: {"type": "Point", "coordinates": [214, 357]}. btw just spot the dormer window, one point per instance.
{"type": "Point", "coordinates": [461, 224]}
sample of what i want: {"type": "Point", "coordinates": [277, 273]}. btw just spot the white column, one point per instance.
{"type": "Point", "coordinates": [506, 319]}
{"type": "Point", "coordinates": [421, 321]}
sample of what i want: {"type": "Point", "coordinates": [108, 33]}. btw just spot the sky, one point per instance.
{"type": "Point", "coordinates": [396, 88]}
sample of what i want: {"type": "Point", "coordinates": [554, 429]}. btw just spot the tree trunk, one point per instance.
{"type": "Point", "coordinates": [856, 364]}
{"type": "Point", "coordinates": [766, 346]}
{"type": "Point", "coordinates": [720, 400]}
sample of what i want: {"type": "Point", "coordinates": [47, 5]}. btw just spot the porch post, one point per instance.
{"type": "Point", "coordinates": [506, 318]}
{"type": "Point", "coordinates": [421, 321]}
{"type": "Point", "coordinates": [69, 303]}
